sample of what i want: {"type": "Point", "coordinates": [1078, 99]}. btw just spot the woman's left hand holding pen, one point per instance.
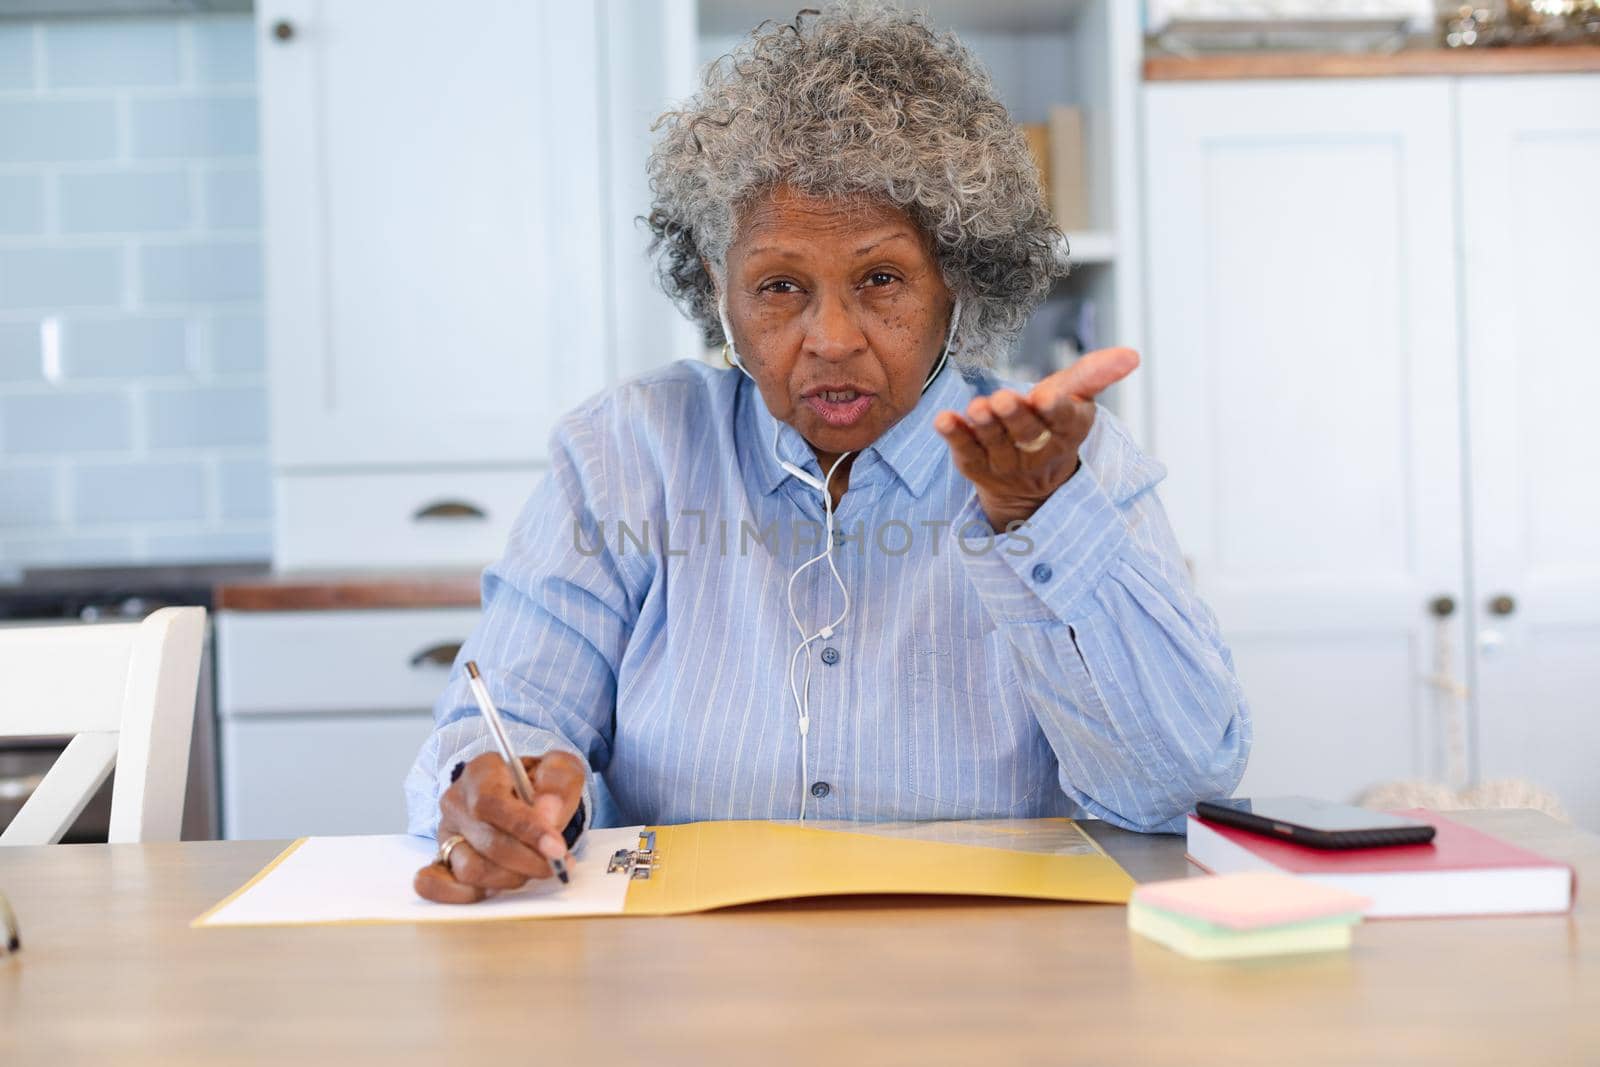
{"type": "Point", "coordinates": [506, 842]}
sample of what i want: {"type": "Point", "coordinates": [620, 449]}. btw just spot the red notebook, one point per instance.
{"type": "Point", "coordinates": [1462, 871]}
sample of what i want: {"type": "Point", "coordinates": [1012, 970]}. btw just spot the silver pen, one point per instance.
{"type": "Point", "coordinates": [519, 774]}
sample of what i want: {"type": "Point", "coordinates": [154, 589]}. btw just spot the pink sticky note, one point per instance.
{"type": "Point", "coordinates": [1249, 901]}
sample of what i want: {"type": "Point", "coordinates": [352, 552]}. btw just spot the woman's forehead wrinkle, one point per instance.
{"type": "Point", "coordinates": [778, 249]}
{"type": "Point", "coordinates": [781, 228]}
{"type": "Point", "coordinates": [782, 204]}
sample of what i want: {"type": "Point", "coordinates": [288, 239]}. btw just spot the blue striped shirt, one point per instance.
{"type": "Point", "coordinates": [639, 619]}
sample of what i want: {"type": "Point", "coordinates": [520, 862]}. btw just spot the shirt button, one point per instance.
{"type": "Point", "coordinates": [820, 789]}
{"type": "Point", "coordinates": [1042, 573]}
{"type": "Point", "coordinates": [830, 655]}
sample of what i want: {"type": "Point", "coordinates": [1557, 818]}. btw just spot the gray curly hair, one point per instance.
{"type": "Point", "coordinates": [858, 101]}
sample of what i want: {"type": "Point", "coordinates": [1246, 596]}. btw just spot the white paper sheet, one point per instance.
{"type": "Point", "coordinates": [368, 879]}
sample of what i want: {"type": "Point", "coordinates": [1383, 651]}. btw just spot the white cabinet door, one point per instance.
{"type": "Point", "coordinates": [436, 254]}
{"type": "Point", "coordinates": [1530, 168]}
{"type": "Point", "coordinates": [318, 774]}
{"type": "Point", "coordinates": [1303, 366]}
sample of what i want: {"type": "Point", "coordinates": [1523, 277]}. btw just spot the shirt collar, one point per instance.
{"type": "Point", "coordinates": [911, 448]}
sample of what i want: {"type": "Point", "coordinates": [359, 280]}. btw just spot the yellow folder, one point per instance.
{"type": "Point", "coordinates": [700, 866]}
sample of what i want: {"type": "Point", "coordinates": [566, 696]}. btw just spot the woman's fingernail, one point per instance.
{"type": "Point", "coordinates": [552, 847]}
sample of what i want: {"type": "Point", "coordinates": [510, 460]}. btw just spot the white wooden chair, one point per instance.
{"type": "Point", "coordinates": [125, 694]}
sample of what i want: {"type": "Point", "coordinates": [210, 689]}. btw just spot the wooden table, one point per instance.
{"type": "Point", "coordinates": [111, 973]}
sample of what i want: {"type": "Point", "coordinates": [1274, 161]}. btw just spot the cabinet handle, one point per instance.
{"type": "Point", "coordinates": [440, 655]}
{"type": "Point", "coordinates": [283, 31]}
{"type": "Point", "coordinates": [1502, 605]}
{"type": "Point", "coordinates": [1442, 606]}
{"type": "Point", "coordinates": [448, 509]}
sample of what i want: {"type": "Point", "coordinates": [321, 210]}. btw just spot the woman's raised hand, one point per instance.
{"type": "Point", "coordinates": [505, 842]}
{"type": "Point", "coordinates": [1018, 449]}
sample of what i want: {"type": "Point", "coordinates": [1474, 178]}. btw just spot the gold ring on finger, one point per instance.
{"type": "Point", "coordinates": [446, 847]}
{"type": "Point", "coordinates": [1035, 444]}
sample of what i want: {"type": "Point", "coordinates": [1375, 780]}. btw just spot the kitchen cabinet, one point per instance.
{"type": "Point", "coordinates": [1367, 355]}
{"type": "Point", "coordinates": [451, 261]}
{"type": "Point", "coordinates": [1533, 372]}
{"type": "Point", "coordinates": [322, 713]}
{"type": "Point", "coordinates": [1303, 359]}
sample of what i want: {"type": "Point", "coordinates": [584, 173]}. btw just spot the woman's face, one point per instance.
{"type": "Point", "coordinates": [838, 311]}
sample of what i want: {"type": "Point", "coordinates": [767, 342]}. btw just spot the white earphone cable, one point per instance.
{"type": "Point", "coordinates": [802, 692]}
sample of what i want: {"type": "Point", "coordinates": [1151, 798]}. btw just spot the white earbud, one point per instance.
{"type": "Point", "coordinates": [802, 692]}
{"type": "Point", "coordinates": [727, 333]}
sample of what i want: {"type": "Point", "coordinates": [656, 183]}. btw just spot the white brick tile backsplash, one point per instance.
{"type": "Point", "coordinates": [244, 489]}
{"type": "Point", "coordinates": [16, 55]}
{"type": "Point", "coordinates": [148, 492]}
{"type": "Point", "coordinates": [59, 423]}
{"type": "Point", "coordinates": [58, 551]}
{"type": "Point", "coordinates": [216, 547]}
{"type": "Point", "coordinates": [124, 347]}
{"type": "Point", "coordinates": [190, 127]}
{"type": "Point", "coordinates": [205, 417]}
{"type": "Point", "coordinates": [54, 131]}
{"type": "Point", "coordinates": [129, 219]}
{"type": "Point", "coordinates": [238, 344]}
{"type": "Point", "coordinates": [19, 352]}
{"type": "Point", "coordinates": [48, 278]}
{"type": "Point", "coordinates": [224, 51]}
{"type": "Point", "coordinates": [123, 201]}
{"type": "Point", "coordinates": [232, 199]}
{"type": "Point", "coordinates": [221, 271]}
{"type": "Point", "coordinates": [98, 53]}
{"type": "Point", "coordinates": [28, 496]}
{"type": "Point", "coordinates": [21, 204]}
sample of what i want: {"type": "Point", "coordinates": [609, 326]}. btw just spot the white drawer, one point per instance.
{"type": "Point", "coordinates": [336, 774]}
{"type": "Point", "coordinates": [406, 519]}
{"type": "Point", "coordinates": [335, 661]}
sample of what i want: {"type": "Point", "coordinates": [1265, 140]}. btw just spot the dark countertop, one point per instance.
{"type": "Point", "coordinates": [122, 592]}
{"type": "Point", "coordinates": [110, 593]}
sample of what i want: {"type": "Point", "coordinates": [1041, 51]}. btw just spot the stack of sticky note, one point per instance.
{"type": "Point", "coordinates": [1230, 916]}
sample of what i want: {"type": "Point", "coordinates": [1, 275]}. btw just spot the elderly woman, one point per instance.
{"type": "Point", "coordinates": [846, 576]}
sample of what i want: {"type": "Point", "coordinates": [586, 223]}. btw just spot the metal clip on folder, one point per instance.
{"type": "Point", "coordinates": [636, 863]}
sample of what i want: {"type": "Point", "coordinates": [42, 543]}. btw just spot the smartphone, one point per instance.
{"type": "Point", "coordinates": [1316, 823]}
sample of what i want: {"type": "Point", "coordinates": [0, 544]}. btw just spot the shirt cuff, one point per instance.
{"type": "Point", "coordinates": [1045, 570]}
